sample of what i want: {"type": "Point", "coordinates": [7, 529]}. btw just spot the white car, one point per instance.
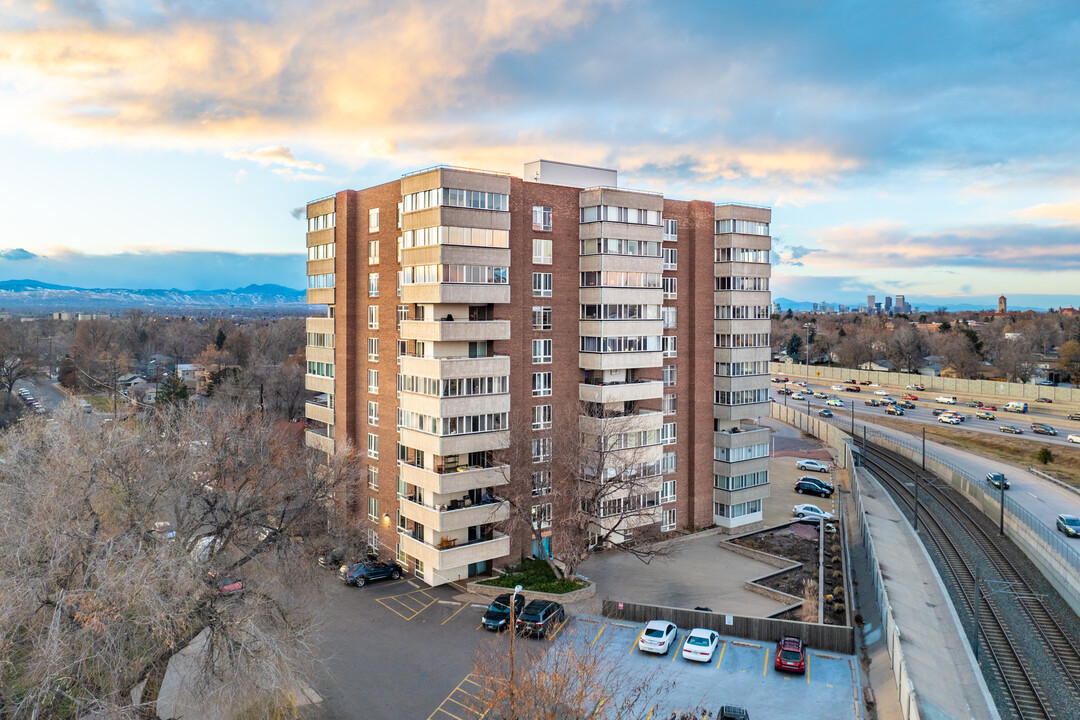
{"type": "Point", "coordinates": [815, 465]}
{"type": "Point", "coordinates": [881, 392]}
{"type": "Point", "coordinates": [700, 644]}
{"type": "Point", "coordinates": [1073, 438]}
{"type": "Point", "coordinates": [837, 387]}
{"type": "Point", "coordinates": [946, 399]}
{"type": "Point", "coordinates": [798, 396]}
{"type": "Point", "coordinates": [835, 402]}
{"type": "Point", "coordinates": [948, 419]}
{"type": "Point", "coordinates": [875, 384]}
{"type": "Point", "coordinates": [658, 637]}
{"type": "Point", "coordinates": [811, 512]}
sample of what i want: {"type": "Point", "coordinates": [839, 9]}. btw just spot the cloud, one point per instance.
{"type": "Point", "coordinates": [299, 213]}
{"type": "Point", "coordinates": [275, 155]}
{"type": "Point", "coordinates": [1066, 212]}
{"type": "Point", "coordinates": [16, 254]}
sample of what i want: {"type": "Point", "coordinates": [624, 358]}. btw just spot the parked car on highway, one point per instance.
{"type": "Point", "coordinates": [361, 573]}
{"type": "Point", "coordinates": [1011, 429]}
{"type": "Point", "coordinates": [790, 655]}
{"type": "Point", "coordinates": [540, 618]}
{"type": "Point", "coordinates": [948, 419]}
{"type": "Point", "coordinates": [814, 465]}
{"type": "Point", "coordinates": [906, 404]}
{"type": "Point", "coordinates": [1073, 438]}
{"type": "Point", "coordinates": [497, 615]}
{"type": "Point", "coordinates": [996, 479]}
{"type": "Point", "coordinates": [984, 415]}
{"type": "Point", "coordinates": [894, 410]}
{"type": "Point", "coordinates": [700, 644]}
{"type": "Point", "coordinates": [810, 512]}
{"type": "Point", "coordinates": [658, 637]}
{"type": "Point", "coordinates": [1042, 429]}
{"type": "Point", "coordinates": [825, 413]}
{"type": "Point", "coordinates": [1069, 524]}
{"type": "Point", "coordinates": [813, 486]}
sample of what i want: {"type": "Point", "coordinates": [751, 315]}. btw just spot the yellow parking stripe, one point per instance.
{"type": "Point", "coordinates": [677, 654]}
{"type": "Point", "coordinates": [565, 620]}
{"type": "Point", "coordinates": [598, 634]}
{"type": "Point", "coordinates": [766, 668]}
{"type": "Point", "coordinates": [636, 641]}
{"type": "Point", "coordinates": [651, 711]}
{"type": "Point", "coordinates": [722, 648]}
{"type": "Point", "coordinates": [463, 606]}
{"type": "Point", "coordinates": [450, 698]}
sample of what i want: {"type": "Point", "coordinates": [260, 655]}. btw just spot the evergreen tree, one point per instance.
{"type": "Point", "coordinates": [172, 390]}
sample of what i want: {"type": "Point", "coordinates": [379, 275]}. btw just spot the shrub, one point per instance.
{"type": "Point", "coordinates": [836, 574]}
{"type": "Point", "coordinates": [1045, 456]}
{"type": "Point", "coordinates": [839, 608]}
{"type": "Point", "coordinates": [835, 549]}
{"type": "Point", "coordinates": [536, 575]}
{"type": "Point", "coordinates": [838, 591]}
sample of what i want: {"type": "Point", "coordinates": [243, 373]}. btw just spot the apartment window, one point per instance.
{"type": "Point", "coordinates": [541, 218]}
{"type": "Point", "coordinates": [671, 259]}
{"type": "Point", "coordinates": [669, 433]}
{"type": "Point", "coordinates": [402, 349]}
{"type": "Point", "coordinates": [372, 412]}
{"type": "Point", "coordinates": [373, 252]}
{"type": "Point", "coordinates": [402, 314]}
{"type": "Point", "coordinates": [541, 318]}
{"type": "Point", "coordinates": [373, 477]}
{"type": "Point", "coordinates": [541, 450]}
{"type": "Point", "coordinates": [668, 521]}
{"type": "Point", "coordinates": [667, 491]}
{"type": "Point", "coordinates": [373, 446]}
{"type": "Point", "coordinates": [541, 284]}
{"type": "Point", "coordinates": [668, 462]}
{"type": "Point", "coordinates": [541, 351]}
{"type": "Point", "coordinates": [373, 349]}
{"type": "Point", "coordinates": [373, 380]}
{"type": "Point", "coordinates": [320, 368]}
{"type": "Point", "coordinates": [670, 404]}
{"type": "Point", "coordinates": [668, 315]}
{"type": "Point", "coordinates": [541, 251]}
{"type": "Point", "coordinates": [669, 344]}
{"type": "Point", "coordinates": [669, 374]}
{"type": "Point", "coordinates": [399, 207]}
{"type": "Point", "coordinates": [671, 288]}
{"type": "Point", "coordinates": [541, 483]}
{"type": "Point", "coordinates": [734, 511]}
{"type": "Point", "coordinates": [541, 384]}
{"type": "Point", "coordinates": [671, 230]}
{"type": "Point", "coordinates": [373, 317]}
{"type": "Point", "coordinates": [541, 417]}
{"type": "Point", "coordinates": [541, 516]}
{"type": "Point", "coordinates": [317, 282]}
{"type": "Point", "coordinates": [373, 284]}
{"type": "Point", "coordinates": [373, 220]}
{"type": "Point", "coordinates": [738, 482]}
{"type": "Point", "coordinates": [746, 227]}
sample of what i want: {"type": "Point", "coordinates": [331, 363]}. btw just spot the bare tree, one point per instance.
{"type": "Point", "coordinates": [906, 347]}
{"type": "Point", "coordinates": [959, 352]}
{"type": "Point", "coordinates": [15, 362]}
{"type": "Point", "coordinates": [97, 599]}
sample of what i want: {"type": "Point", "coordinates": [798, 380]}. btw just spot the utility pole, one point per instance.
{"type": "Point", "coordinates": [976, 643]}
{"type": "Point", "coordinates": [852, 419]}
{"type": "Point", "coordinates": [806, 326]}
{"type": "Point", "coordinates": [513, 632]}
{"type": "Point", "coordinates": [1001, 526]}
{"type": "Point", "coordinates": [916, 475]}
{"type": "Point", "coordinates": [924, 448]}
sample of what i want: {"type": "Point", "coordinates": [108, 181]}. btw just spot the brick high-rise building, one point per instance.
{"type": "Point", "coordinates": [467, 311]}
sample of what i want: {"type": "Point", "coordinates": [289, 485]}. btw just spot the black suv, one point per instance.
{"type": "Point", "coordinates": [814, 486]}
{"type": "Point", "coordinates": [497, 616]}
{"type": "Point", "coordinates": [362, 573]}
{"type": "Point", "coordinates": [539, 616]}
{"type": "Point", "coordinates": [732, 712]}
{"type": "Point", "coordinates": [1074, 416]}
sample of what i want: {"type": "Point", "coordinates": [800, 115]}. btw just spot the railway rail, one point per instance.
{"type": "Point", "coordinates": [1001, 615]}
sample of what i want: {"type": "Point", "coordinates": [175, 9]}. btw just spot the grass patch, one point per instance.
{"type": "Point", "coordinates": [1065, 466]}
{"type": "Point", "coordinates": [101, 403]}
{"type": "Point", "coordinates": [535, 575]}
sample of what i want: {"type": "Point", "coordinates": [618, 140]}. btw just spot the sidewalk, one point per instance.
{"type": "Point", "coordinates": [940, 664]}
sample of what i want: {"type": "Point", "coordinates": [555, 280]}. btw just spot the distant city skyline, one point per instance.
{"type": "Point", "coordinates": [908, 147]}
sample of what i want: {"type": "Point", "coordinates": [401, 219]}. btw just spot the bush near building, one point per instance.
{"type": "Point", "coordinates": [536, 575]}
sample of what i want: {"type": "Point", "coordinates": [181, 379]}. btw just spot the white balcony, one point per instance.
{"type": "Point", "coordinates": [320, 412]}
{"type": "Point", "coordinates": [455, 330]}
{"type": "Point", "coordinates": [454, 444]}
{"type": "Point", "coordinates": [455, 482]}
{"type": "Point", "coordinates": [453, 293]}
{"type": "Point", "coordinates": [444, 519]}
{"type": "Point", "coordinates": [450, 555]}
{"type": "Point", "coordinates": [319, 441]}
{"type": "Point", "coordinates": [448, 368]}
{"type": "Point", "coordinates": [621, 391]}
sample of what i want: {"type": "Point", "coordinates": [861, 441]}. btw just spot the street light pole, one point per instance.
{"type": "Point", "coordinates": [806, 326]}
{"type": "Point", "coordinates": [1001, 527]}
{"type": "Point", "coordinates": [513, 632]}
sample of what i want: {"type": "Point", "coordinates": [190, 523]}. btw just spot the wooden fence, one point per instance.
{"type": "Point", "coordinates": [830, 638]}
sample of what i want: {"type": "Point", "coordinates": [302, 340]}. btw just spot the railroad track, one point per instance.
{"type": "Point", "coordinates": [1024, 690]}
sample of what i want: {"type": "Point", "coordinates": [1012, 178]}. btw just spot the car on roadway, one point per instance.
{"type": "Point", "coordinates": [906, 404]}
{"type": "Point", "coordinates": [852, 382]}
{"type": "Point", "coordinates": [658, 637]}
{"type": "Point", "coordinates": [810, 512]}
{"type": "Point", "coordinates": [361, 573]}
{"type": "Point", "coordinates": [881, 392]}
{"type": "Point", "coordinates": [997, 479]}
{"type": "Point", "coordinates": [909, 396]}
{"type": "Point", "coordinates": [1042, 429]}
{"type": "Point", "coordinates": [790, 655]}
{"type": "Point", "coordinates": [894, 410]}
{"type": "Point", "coordinates": [948, 419]}
{"type": "Point", "coordinates": [800, 383]}
{"type": "Point", "coordinates": [813, 486]}
{"type": "Point", "coordinates": [700, 644]}
{"type": "Point", "coordinates": [888, 401]}
{"type": "Point", "coordinates": [984, 415]}
{"type": "Point", "coordinates": [864, 382]}
{"type": "Point", "coordinates": [1045, 382]}
{"type": "Point", "coordinates": [1010, 429]}
{"type": "Point", "coordinates": [497, 616]}
{"type": "Point", "coordinates": [872, 402]}
{"type": "Point", "coordinates": [1073, 438]}
{"type": "Point", "coordinates": [837, 387]}
{"type": "Point", "coordinates": [1048, 401]}
{"type": "Point", "coordinates": [946, 399]}
{"type": "Point", "coordinates": [825, 412]}
{"type": "Point", "coordinates": [835, 402]}
{"type": "Point", "coordinates": [785, 391]}
{"type": "Point", "coordinates": [852, 388]}
{"type": "Point", "coordinates": [814, 465]}
{"type": "Point", "coordinates": [973, 404]}
{"type": "Point", "coordinates": [820, 395]}
{"type": "Point", "coordinates": [798, 396]}
{"type": "Point", "coordinates": [1074, 416]}
{"type": "Point", "coordinates": [920, 388]}
{"type": "Point", "coordinates": [540, 617]}
{"type": "Point", "coordinates": [1069, 524]}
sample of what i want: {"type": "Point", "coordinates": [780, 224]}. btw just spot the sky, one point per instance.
{"type": "Point", "coordinates": [922, 148]}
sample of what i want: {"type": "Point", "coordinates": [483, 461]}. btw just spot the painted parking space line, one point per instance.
{"type": "Point", "coordinates": [636, 641]}
{"type": "Point", "coordinates": [456, 705]}
{"type": "Point", "coordinates": [598, 634]}
{"type": "Point", "coordinates": [565, 620]}
{"type": "Point", "coordinates": [463, 606]}
{"type": "Point", "coordinates": [678, 653]}
{"type": "Point", "coordinates": [766, 668]}
{"type": "Point", "coordinates": [722, 648]}
{"type": "Point", "coordinates": [408, 605]}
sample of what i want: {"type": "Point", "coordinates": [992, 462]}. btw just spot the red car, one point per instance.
{"type": "Point", "coordinates": [790, 655]}
{"type": "Point", "coordinates": [989, 407]}
{"type": "Point", "coordinates": [852, 382]}
{"type": "Point", "coordinates": [911, 397]}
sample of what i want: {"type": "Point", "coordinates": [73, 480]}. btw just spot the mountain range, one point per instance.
{"type": "Point", "coordinates": [33, 295]}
